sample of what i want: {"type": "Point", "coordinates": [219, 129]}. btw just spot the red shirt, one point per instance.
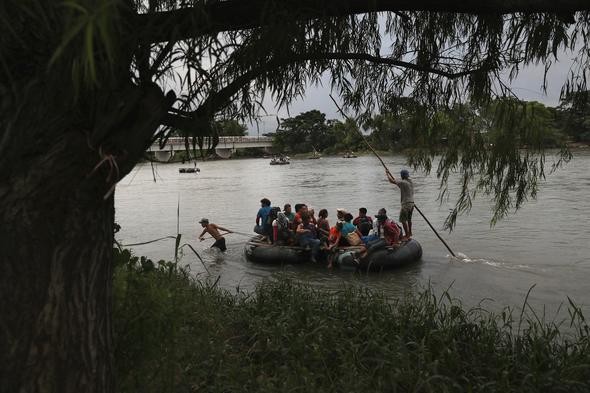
{"type": "Point", "coordinates": [323, 224]}
{"type": "Point", "coordinates": [334, 234]}
{"type": "Point", "coordinates": [296, 221]}
{"type": "Point", "coordinates": [391, 232]}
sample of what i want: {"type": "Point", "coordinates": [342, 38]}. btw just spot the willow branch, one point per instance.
{"type": "Point", "coordinates": [233, 15]}
{"type": "Point", "coordinates": [216, 100]}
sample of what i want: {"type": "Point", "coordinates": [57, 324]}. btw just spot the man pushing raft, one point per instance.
{"type": "Point", "coordinates": [406, 188]}
{"type": "Point", "coordinates": [213, 230]}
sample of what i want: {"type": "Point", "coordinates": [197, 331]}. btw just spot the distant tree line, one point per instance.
{"type": "Point", "coordinates": [393, 128]}
{"type": "Point", "coordinates": [573, 116]}
{"type": "Point", "coordinates": [311, 130]}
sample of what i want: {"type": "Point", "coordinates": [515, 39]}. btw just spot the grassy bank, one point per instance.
{"type": "Point", "coordinates": [176, 334]}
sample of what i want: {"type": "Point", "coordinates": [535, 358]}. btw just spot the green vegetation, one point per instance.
{"type": "Point", "coordinates": [174, 333]}
{"type": "Point", "coordinates": [220, 128]}
{"type": "Point", "coordinates": [229, 128]}
{"type": "Point", "coordinates": [531, 123]}
{"type": "Point", "coordinates": [573, 115]}
{"type": "Point", "coordinates": [87, 85]}
{"type": "Point", "coordinates": [310, 130]}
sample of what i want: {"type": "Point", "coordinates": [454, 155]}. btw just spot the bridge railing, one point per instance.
{"type": "Point", "coordinates": [226, 139]}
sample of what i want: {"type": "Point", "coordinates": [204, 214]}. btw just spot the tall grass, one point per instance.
{"type": "Point", "coordinates": [175, 333]}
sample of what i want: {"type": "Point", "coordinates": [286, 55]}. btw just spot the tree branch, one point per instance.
{"type": "Point", "coordinates": [216, 100]}
{"type": "Point", "coordinates": [232, 15]}
{"type": "Point", "coordinates": [386, 61]}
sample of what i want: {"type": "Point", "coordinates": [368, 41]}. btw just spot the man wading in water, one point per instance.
{"type": "Point", "coordinates": [213, 230]}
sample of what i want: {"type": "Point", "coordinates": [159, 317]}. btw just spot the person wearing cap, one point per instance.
{"type": "Point", "coordinates": [335, 238]}
{"type": "Point", "coordinates": [406, 188]}
{"type": "Point", "coordinates": [213, 230]}
{"type": "Point", "coordinates": [340, 212]}
{"type": "Point", "coordinates": [387, 228]}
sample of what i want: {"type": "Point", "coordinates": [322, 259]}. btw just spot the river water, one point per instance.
{"type": "Point", "coordinates": [544, 246]}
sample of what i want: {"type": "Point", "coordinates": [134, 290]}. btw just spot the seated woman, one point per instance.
{"type": "Point", "coordinates": [306, 232]}
{"type": "Point", "coordinates": [335, 236]}
{"type": "Point", "coordinates": [312, 218]}
{"type": "Point", "coordinates": [350, 232]}
{"type": "Point", "coordinates": [272, 216]}
{"type": "Point", "coordinates": [323, 226]}
{"type": "Point", "coordinates": [282, 234]}
{"type": "Point", "coordinates": [353, 236]}
{"type": "Point", "coordinates": [334, 239]}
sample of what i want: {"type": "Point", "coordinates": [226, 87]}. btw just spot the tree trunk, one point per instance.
{"type": "Point", "coordinates": [56, 239]}
{"type": "Point", "coordinates": [55, 285]}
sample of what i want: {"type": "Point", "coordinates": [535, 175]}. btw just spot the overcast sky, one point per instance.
{"type": "Point", "coordinates": [527, 87]}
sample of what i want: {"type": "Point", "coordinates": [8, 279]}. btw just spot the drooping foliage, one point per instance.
{"type": "Point", "coordinates": [222, 63]}
{"type": "Point", "coordinates": [498, 149]}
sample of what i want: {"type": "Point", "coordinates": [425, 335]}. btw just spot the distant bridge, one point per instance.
{"type": "Point", "coordinates": [226, 146]}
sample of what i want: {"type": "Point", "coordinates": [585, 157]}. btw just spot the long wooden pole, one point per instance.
{"type": "Point", "coordinates": [387, 170]}
{"type": "Point", "coordinates": [230, 233]}
{"type": "Point", "coordinates": [434, 230]}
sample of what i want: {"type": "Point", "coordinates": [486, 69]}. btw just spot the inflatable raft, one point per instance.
{"type": "Point", "coordinates": [378, 257]}
{"type": "Point", "coordinates": [257, 251]}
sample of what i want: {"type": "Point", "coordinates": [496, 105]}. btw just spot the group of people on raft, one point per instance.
{"type": "Point", "coordinates": [302, 228]}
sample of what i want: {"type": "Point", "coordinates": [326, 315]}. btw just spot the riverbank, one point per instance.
{"type": "Point", "coordinates": [177, 333]}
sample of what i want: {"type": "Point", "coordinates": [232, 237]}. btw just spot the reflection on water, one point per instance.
{"type": "Point", "coordinates": [544, 244]}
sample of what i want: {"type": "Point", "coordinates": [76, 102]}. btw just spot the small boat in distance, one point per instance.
{"type": "Point", "coordinates": [188, 170]}
{"type": "Point", "coordinates": [281, 160]}
{"type": "Point", "coordinates": [349, 154]}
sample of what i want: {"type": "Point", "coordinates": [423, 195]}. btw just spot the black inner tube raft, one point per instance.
{"type": "Point", "coordinates": [379, 256]}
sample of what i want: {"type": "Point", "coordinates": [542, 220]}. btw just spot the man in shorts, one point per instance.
{"type": "Point", "coordinates": [406, 188]}
{"type": "Point", "coordinates": [213, 230]}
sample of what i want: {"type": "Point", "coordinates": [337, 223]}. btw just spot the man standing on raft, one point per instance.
{"type": "Point", "coordinates": [213, 230]}
{"type": "Point", "coordinates": [407, 200]}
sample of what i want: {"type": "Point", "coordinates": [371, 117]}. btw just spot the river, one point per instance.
{"type": "Point", "coordinates": [545, 244]}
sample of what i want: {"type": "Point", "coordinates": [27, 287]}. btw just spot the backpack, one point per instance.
{"type": "Point", "coordinates": [353, 239]}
